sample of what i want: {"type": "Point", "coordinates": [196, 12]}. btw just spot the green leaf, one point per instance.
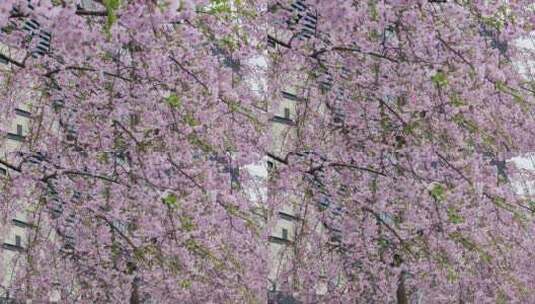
{"type": "Point", "coordinates": [438, 192]}
{"type": "Point", "coordinates": [454, 217]}
{"type": "Point", "coordinates": [411, 127]}
{"type": "Point", "coordinates": [374, 13]}
{"type": "Point", "coordinates": [190, 120]}
{"type": "Point", "coordinates": [440, 79]}
{"type": "Point", "coordinates": [465, 123]}
{"type": "Point", "coordinates": [456, 101]}
{"type": "Point", "coordinates": [501, 297]}
{"type": "Point", "coordinates": [112, 4]}
{"type": "Point", "coordinates": [229, 43]}
{"type": "Point", "coordinates": [170, 200]}
{"type": "Point", "coordinates": [469, 244]}
{"type": "Point", "coordinates": [453, 276]}
{"type": "Point", "coordinates": [187, 223]}
{"type": "Point", "coordinates": [174, 101]}
{"type": "Point", "coordinates": [383, 243]}
{"type": "Point", "coordinates": [196, 141]}
{"type": "Point", "coordinates": [219, 7]}
{"type": "Point", "coordinates": [103, 158]}
{"type": "Point", "coordinates": [185, 284]}
{"type": "Point", "coordinates": [517, 97]}
{"type": "Point", "coordinates": [111, 8]}
{"type": "Point", "coordinates": [494, 22]}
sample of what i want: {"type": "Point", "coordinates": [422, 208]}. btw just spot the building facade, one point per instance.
{"type": "Point", "coordinates": [15, 126]}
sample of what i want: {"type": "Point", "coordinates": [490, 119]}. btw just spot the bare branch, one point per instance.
{"type": "Point", "coordinates": [189, 73]}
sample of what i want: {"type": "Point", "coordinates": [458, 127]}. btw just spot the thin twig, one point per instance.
{"type": "Point", "coordinates": [454, 168]}
{"type": "Point", "coordinates": [351, 50]}
{"type": "Point", "coordinates": [189, 72]}
{"type": "Point", "coordinates": [357, 167]}
{"type": "Point", "coordinates": [394, 232]}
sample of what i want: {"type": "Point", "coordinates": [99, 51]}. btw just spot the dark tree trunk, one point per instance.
{"type": "Point", "coordinates": [401, 293]}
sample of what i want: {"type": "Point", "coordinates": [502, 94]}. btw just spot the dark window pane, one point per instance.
{"type": "Point", "coordinates": [285, 234]}
{"type": "Point", "coordinates": [286, 113]}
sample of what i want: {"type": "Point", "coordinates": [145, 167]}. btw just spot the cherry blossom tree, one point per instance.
{"type": "Point", "coordinates": [408, 111]}
{"type": "Point", "coordinates": [140, 121]}
{"type": "Point", "coordinates": [143, 112]}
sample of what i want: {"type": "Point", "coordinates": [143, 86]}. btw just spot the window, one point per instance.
{"type": "Point", "coordinates": [70, 133]}
{"type": "Point", "coordinates": [283, 120]}
{"type": "Point", "coordinates": [43, 46]}
{"type": "Point", "coordinates": [57, 104]}
{"type": "Point", "coordinates": [16, 136]}
{"type": "Point", "coordinates": [23, 113]}
{"type": "Point", "coordinates": [21, 224]}
{"type": "Point", "coordinates": [134, 119]}
{"type": "Point", "coordinates": [284, 234]}
{"type": "Point", "coordinates": [325, 81]}
{"type": "Point", "coordinates": [286, 113]}
{"type": "Point", "coordinates": [88, 5]}
{"type": "Point", "coordinates": [273, 42]}
{"type": "Point", "coordinates": [270, 169]}
{"type": "Point", "coordinates": [304, 16]}
{"type": "Point", "coordinates": [345, 73]}
{"type": "Point", "coordinates": [31, 26]}
{"type": "Point", "coordinates": [11, 247]}
{"type": "Point", "coordinates": [289, 96]}
{"type": "Point", "coordinates": [18, 241]}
